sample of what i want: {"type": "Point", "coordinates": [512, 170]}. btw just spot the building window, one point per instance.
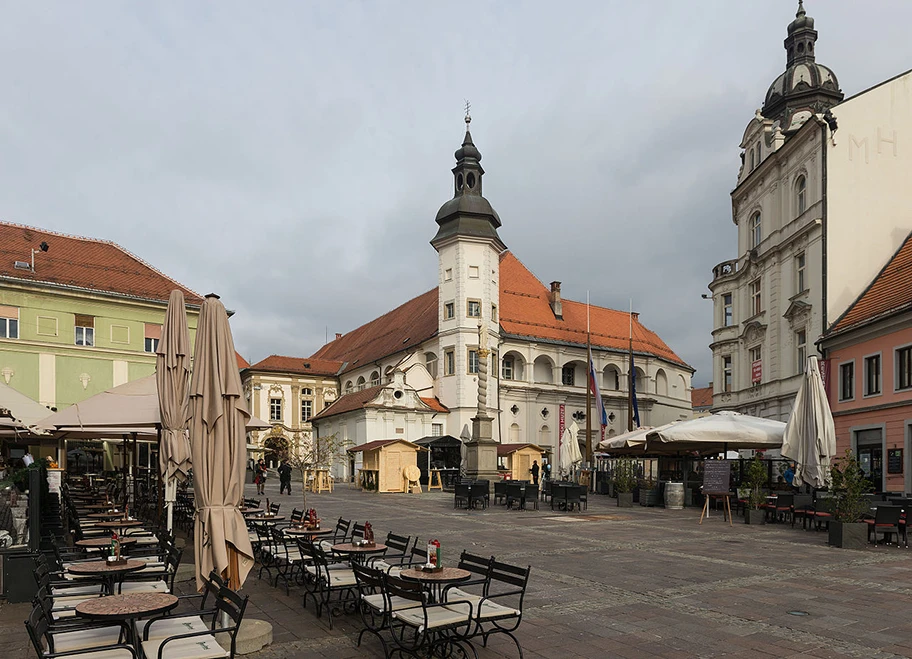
{"type": "Point", "coordinates": [151, 345]}
{"type": "Point", "coordinates": [507, 371]}
{"type": "Point", "coordinates": [9, 328]}
{"type": "Point", "coordinates": [801, 195]}
{"type": "Point", "coordinates": [448, 274]}
{"type": "Point", "coordinates": [473, 271]}
{"type": "Point", "coordinates": [306, 410]}
{"type": "Point", "coordinates": [726, 372]}
{"type": "Point", "coordinates": [756, 360]}
{"type": "Point", "coordinates": [449, 310]}
{"type": "Point", "coordinates": [493, 313]}
{"type": "Point", "coordinates": [473, 361]}
{"type": "Point", "coordinates": [567, 375]}
{"type": "Point", "coordinates": [306, 392]}
{"type": "Point", "coordinates": [904, 368]}
{"type": "Point", "coordinates": [727, 310]}
{"type": "Point", "coordinates": [756, 298]}
{"type": "Point", "coordinates": [85, 336]}
{"type": "Point", "coordinates": [800, 262]}
{"type": "Point", "coordinates": [449, 362]}
{"type": "Point", "coordinates": [473, 309]}
{"type": "Point", "coordinates": [847, 381]}
{"type": "Point", "coordinates": [756, 229]}
{"type": "Point", "coordinates": [436, 429]}
{"type": "Point", "coordinates": [872, 375]}
{"type": "Point", "coordinates": [275, 409]}
{"type": "Point", "coordinates": [801, 349]}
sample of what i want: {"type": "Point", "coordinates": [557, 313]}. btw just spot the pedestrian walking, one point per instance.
{"type": "Point", "coordinates": [260, 479]}
{"type": "Point", "coordinates": [285, 477]}
{"type": "Point", "coordinates": [534, 471]}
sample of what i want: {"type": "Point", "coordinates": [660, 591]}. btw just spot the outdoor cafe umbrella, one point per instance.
{"type": "Point", "coordinates": [810, 434]}
{"type": "Point", "coordinates": [716, 433]}
{"type": "Point", "coordinates": [172, 373]}
{"type": "Point", "coordinates": [569, 450]}
{"type": "Point", "coordinates": [218, 415]}
{"type": "Point", "coordinates": [465, 437]}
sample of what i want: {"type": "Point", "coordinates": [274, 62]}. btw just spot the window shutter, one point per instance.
{"type": "Point", "coordinates": [85, 321]}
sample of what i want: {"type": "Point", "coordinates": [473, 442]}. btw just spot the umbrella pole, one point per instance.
{"type": "Point", "coordinates": [161, 482]}
{"type": "Point", "coordinates": [135, 470]}
{"type": "Point", "coordinates": [126, 490]}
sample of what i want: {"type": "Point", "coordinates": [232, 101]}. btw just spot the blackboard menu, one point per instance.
{"type": "Point", "coordinates": [716, 475]}
{"type": "Point", "coordinates": [894, 461]}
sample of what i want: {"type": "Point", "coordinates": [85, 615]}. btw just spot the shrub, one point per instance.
{"type": "Point", "coordinates": [625, 479]}
{"type": "Point", "coordinates": [849, 487]}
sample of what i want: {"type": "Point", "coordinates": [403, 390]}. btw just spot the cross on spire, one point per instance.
{"type": "Point", "coordinates": [468, 115]}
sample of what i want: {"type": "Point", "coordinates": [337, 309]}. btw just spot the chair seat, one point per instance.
{"type": "Point", "coordinates": [198, 647]}
{"type": "Point", "coordinates": [342, 578]}
{"type": "Point", "coordinates": [454, 594]}
{"type": "Point", "coordinates": [819, 514]}
{"type": "Point", "coordinates": [86, 638]}
{"type": "Point", "coordinates": [437, 616]}
{"type": "Point", "coordinates": [166, 627]}
{"type": "Point", "coordinates": [396, 603]}
{"type": "Point", "coordinates": [116, 653]}
{"type": "Point", "coordinates": [70, 602]}
{"type": "Point", "coordinates": [492, 610]}
{"type": "Point", "coordinates": [144, 587]}
{"type": "Point", "coordinates": [72, 591]}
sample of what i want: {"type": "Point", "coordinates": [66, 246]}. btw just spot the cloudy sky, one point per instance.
{"type": "Point", "coordinates": [301, 149]}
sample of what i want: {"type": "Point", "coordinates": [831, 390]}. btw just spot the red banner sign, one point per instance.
{"type": "Point", "coordinates": [825, 374]}
{"type": "Point", "coordinates": [562, 422]}
{"type": "Point", "coordinates": [757, 371]}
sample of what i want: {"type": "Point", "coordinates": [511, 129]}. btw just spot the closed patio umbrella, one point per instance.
{"type": "Point", "coordinates": [218, 415]}
{"type": "Point", "coordinates": [810, 434]}
{"type": "Point", "coordinates": [172, 373]}
{"type": "Point", "coordinates": [570, 453]}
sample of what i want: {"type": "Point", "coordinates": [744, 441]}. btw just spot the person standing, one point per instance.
{"type": "Point", "coordinates": [534, 471]}
{"type": "Point", "coordinates": [547, 469]}
{"type": "Point", "coordinates": [284, 477]}
{"type": "Point", "coordinates": [261, 477]}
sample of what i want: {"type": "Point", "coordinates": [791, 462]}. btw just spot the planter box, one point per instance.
{"type": "Point", "coordinates": [625, 499]}
{"type": "Point", "coordinates": [649, 497]}
{"type": "Point", "coordinates": [847, 535]}
{"type": "Point", "coordinates": [752, 516]}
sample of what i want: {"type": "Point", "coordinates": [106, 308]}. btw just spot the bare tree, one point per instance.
{"type": "Point", "coordinates": [307, 452]}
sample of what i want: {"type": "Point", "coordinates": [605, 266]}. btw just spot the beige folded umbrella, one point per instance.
{"type": "Point", "coordinates": [172, 374]}
{"type": "Point", "coordinates": [218, 416]}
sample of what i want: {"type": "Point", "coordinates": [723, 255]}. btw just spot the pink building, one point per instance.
{"type": "Point", "coordinates": [869, 375]}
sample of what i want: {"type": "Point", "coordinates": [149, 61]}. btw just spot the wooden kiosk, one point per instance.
{"type": "Point", "coordinates": [518, 459]}
{"type": "Point", "coordinates": [382, 462]}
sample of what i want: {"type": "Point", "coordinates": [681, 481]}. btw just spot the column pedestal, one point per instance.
{"type": "Point", "coordinates": [481, 452]}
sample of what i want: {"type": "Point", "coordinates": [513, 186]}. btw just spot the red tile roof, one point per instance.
{"type": "Point", "coordinates": [890, 291]}
{"type": "Point", "coordinates": [300, 365]}
{"type": "Point", "coordinates": [525, 310]}
{"type": "Point", "coordinates": [435, 404]}
{"type": "Point", "coordinates": [378, 443]}
{"type": "Point", "coordinates": [507, 449]}
{"type": "Point", "coordinates": [348, 403]}
{"type": "Point", "coordinates": [399, 330]}
{"type": "Point", "coordinates": [241, 362]}
{"type": "Point", "coordinates": [84, 263]}
{"type": "Point", "coordinates": [702, 397]}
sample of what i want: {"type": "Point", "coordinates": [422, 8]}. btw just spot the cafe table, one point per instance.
{"type": "Point", "coordinates": [109, 572]}
{"type": "Point", "coordinates": [102, 543]}
{"type": "Point", "coordinates": [120, 524]}
{"type": "Point", "coordinates": [436, 581]}
{"type": "Point", "coordinates": [105, 515]}
{"type": "Point", "coordinates": [264, 518]}
{"type": "Point", "coordinates": [127, 608]}
{"type": "Point", "coordinates": [99, 506]}
{"type": "Point", "coordinates": [250, 510]}
{"type": "Point", "coordinates": [359, 553]}
{"type": "Point", "coordinates": [311, 533]}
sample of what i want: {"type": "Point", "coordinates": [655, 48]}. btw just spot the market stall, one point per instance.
{"type": "Point", "coordinates": [382, 462]}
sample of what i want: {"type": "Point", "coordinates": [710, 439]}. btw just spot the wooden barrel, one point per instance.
{"type": "Point", "coordinates": [674, 496]}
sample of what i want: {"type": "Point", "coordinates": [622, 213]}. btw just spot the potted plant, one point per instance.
{"type": "Point", "coordinates": [849, 504]}
{"type": "Point", "coordinates": [649, 493]}
{"type": "Point", "coordinates": [625, 481]}
{"type": "Point", "coordinates": [754, 480]}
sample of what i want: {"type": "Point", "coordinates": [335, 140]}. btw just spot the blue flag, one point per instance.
{"type": "Point", "coordinates": [633, 395]}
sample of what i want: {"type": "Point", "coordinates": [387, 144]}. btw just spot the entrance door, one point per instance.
{"type": "Point", "coordinates": [870, 455]}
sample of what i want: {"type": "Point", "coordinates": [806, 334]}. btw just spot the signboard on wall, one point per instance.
{"type": "Point", "coordinates": [562, 421]}
{"type": "Point", "coordinates": [894, 461]}
{"type": "Point", "coordinates": [824, 365]}
{"type": "Point", "coordinates": [757, 372]}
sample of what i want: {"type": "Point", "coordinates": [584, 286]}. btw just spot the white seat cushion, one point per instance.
{"type": "Point", "coordinates": [71, 602]}
{"type": "Point", "coordinates": [86, 638]}
{"type": "Point", "coordinates": [144, 587]}
{"type": "Point", "coordinates": [438, 616]}
{"type": "Point", "coordinates": [455, 594]}
{"type": "Point", "coordinates": [171, 627]}
{"type": "Point", "coordinates": [396, 603]}
{"type": "Point", "coordinates": [339, 578]}
{"type": "Point", "coordinates": [199, 647]}
{"type": "Point", "coordinates": [491, 610]}
{"type": "Point", "coordinates": [72, 591]}
{"type": "Point", "coordinates": [119, 653]}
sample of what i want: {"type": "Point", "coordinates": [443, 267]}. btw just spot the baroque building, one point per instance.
{"type": "Point", "coordinates": [811, 165]}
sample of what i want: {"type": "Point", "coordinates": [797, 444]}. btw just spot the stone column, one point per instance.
{"type": "Point", "coordinates": [481, 451]}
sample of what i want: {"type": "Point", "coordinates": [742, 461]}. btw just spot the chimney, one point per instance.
{"type": "Point", "coordinates": [338, 335]}
{"type": "Point", "coordinates": [556, 300]}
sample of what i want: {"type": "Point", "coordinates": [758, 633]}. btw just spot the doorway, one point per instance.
{"type": "Point", "coordinates": [869, 448]}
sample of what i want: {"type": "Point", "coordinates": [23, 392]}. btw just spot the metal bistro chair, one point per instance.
{"type": "Point", "coordinates": [531, 496]}
{"type": "Point", "coordinates": [424, 629]}
{"type": "Point", "coordinates": [463, 494]}
{"type": "Point", "coordinates": [515, 494]}
{"type": "Point", "coordinates": [886, 521]}
{"type": "Point", "coordinates": [479, 494]}
{"type": "Point", "coordinates": [500, 491]}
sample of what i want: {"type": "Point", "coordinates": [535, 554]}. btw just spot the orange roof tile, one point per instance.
{"type": "Point", "coordinates": [399, 330]}
{"type": "Point", "coordinates": [890, 291]}
{"type": "Point", "coordinates": [702, 397]}
{"type": "Point", "coordinates": [84, 263]}
{"type": "Point", "coordinates": [300, 365]}
{"type": "Point", "coordinates": [435, 404]}
{"type": "Point", "coordinates": [348, 403]}
{"type": "Point", "coordinates": [525, 310]}
{"type": "Point", "coordinates": [241, 362]}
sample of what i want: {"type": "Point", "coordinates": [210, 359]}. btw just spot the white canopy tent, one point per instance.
{"type": "Point", "coordinates": [25, 411]}
{"type": "Point", "coordinates": [570, 453]}
{"type": "Point", "coordinates": [716, 433]}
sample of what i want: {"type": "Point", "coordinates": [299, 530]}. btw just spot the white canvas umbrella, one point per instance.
{"type": "Point", "coordinates": [716, 433]}
{"type": "Point", "coordinates": [570, 454]}
{"type": "Point", "coordinates": [810, 435]}
{"type": "Point", "coordinates": [630, 443]}
{"type": "Point", "coordinates": [466, 437]}
{"type": "Point", "coordinates": [25, 411]}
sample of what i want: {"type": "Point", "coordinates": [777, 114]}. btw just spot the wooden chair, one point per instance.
{"type": "Point", "coordinates": [434, 482]}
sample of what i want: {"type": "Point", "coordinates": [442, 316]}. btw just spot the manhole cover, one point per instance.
{"type": "Point", "coordinates": [798, 613]}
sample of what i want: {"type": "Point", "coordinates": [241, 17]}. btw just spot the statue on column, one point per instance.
{"type": "Point", "coordinates": [483, 353]}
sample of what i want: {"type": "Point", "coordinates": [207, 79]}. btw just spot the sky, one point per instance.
{"type": "Point", "coordinates": [291, 156]}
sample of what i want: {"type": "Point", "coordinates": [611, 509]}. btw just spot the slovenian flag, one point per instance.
{"type": "Point", "coordinates": [593, 387]}
{"type": "Point", "coordinates": [633, 394]}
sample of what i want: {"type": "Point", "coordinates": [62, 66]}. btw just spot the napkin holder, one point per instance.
{"type": "Point", "coordinates": [431, 568]}
{"type": "Point", "coordinates": [117, 561]}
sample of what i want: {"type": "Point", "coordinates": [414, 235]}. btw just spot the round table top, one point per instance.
{"type": "Point", "coordinates": [250, 510]}
{"type": "Point", "coordinates": [349, 548]}
{"type": "Point", "coordinates": [108, 515]}
{"type": "Point", "coordinates": [99, 506]}
{"type": "Point", "coordinates": [265, 518]}
{"type": "Point", "coordinates": [131, 605]}
{"type": "Point", "coordinates": [119, 523]}
{"type": "Point", "coordinates": [447, 574]}
{"type": "Point", "coordinates": [291, 530]}
{"type": "Point", "coordinates": [103, 542]}
{"type": "Point", "coordinates": [103, 567]}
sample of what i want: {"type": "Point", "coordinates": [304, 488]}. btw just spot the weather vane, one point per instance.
{"type": "Point", "coordinates": [468, 108]}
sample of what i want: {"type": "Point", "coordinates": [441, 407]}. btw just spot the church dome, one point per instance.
{"type": "Point", "coordinates": [801, 77]}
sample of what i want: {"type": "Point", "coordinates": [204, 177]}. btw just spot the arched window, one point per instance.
{"type": "Point", "coordinates": [801, 195]}
{"type": "Point", "coordinates": [756, 230]}
{"type": "Point", "coordinates": [360, 383]}
{"type": "Point", "coordinates": [375, 378]}
{"type": "Point", "coordinates": [661, 383]}
{"type": "Point", "coordinates": [349, 386]}
{"type": "Point", "coordinates": [753, 159]}
{"type": "Point", "coordinates": [611, 378]}
{"type": "Point", "coordinates": [514, 433]}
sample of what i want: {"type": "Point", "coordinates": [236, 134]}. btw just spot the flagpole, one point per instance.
{"type": "Point", "coordinates": [588, 387]}
{"type": "Point", "coordinates": [631, 375]}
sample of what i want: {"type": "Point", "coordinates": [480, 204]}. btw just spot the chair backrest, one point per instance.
{"type": "Point", "coordinates": [212, 585]}
{"type": "Point", "coordinates": [500, 488]}
{"type": "Point", "coordinates": [370, 580]}
{"type": "Point", "coordinates": [887, 514]}
{"type": "Point", "coordinates": [341, 531]}
{"type": "Point", "coordinates": [232, 605]}
{"type": "Point", "coordinates": [297, 515]}
{"type": "Point", "coordinates": [785, 500]}
{"type": "Point", "coordinates": [514, 490]}
{"type": "Point", "coordinates": [825, 505]}
{"type": "Point", "coordinates": [463, 490]}
{"type": "Point", "coordinates": [410, 590]}
{"type": "Point", "coordinates": [508, 575]}
{"type": "Point", "coordinates": [479, 490]}
{"type": "Point", "coordinates": [476, 564]}
{"type": "Point", "coordinates": [274, 508]}
{"type": "Point", "coordinates": [559, 491]}
{"type": "Point", "coordinates": [546, 487]}
{"type": "Point", "coordinates": [803, 501]}
{"type": "Point", "coordinates": [358, 530]}
{"type": "Point", "coordinates": [419, 555]}
{"type": "Point", "coordinates": [397, 543]}
{"type": "Point", "coordinates": [37, 625]}
{"type": "Point", "coordinates": [531, 491]}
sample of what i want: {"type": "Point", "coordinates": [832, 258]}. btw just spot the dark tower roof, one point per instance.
{"type": "Point", "coordinates": [806, 87]}
{"type": "Point", "coordinates": [468, 213]}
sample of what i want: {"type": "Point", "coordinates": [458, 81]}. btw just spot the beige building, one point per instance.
{"type": "Point", "coordinates": [812, 165]}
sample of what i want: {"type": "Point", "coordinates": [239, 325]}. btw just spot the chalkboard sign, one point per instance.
{"type": "Point", "coordinates": [716, 475]}
{"type": "Point", "coordinates": [894, 461]}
